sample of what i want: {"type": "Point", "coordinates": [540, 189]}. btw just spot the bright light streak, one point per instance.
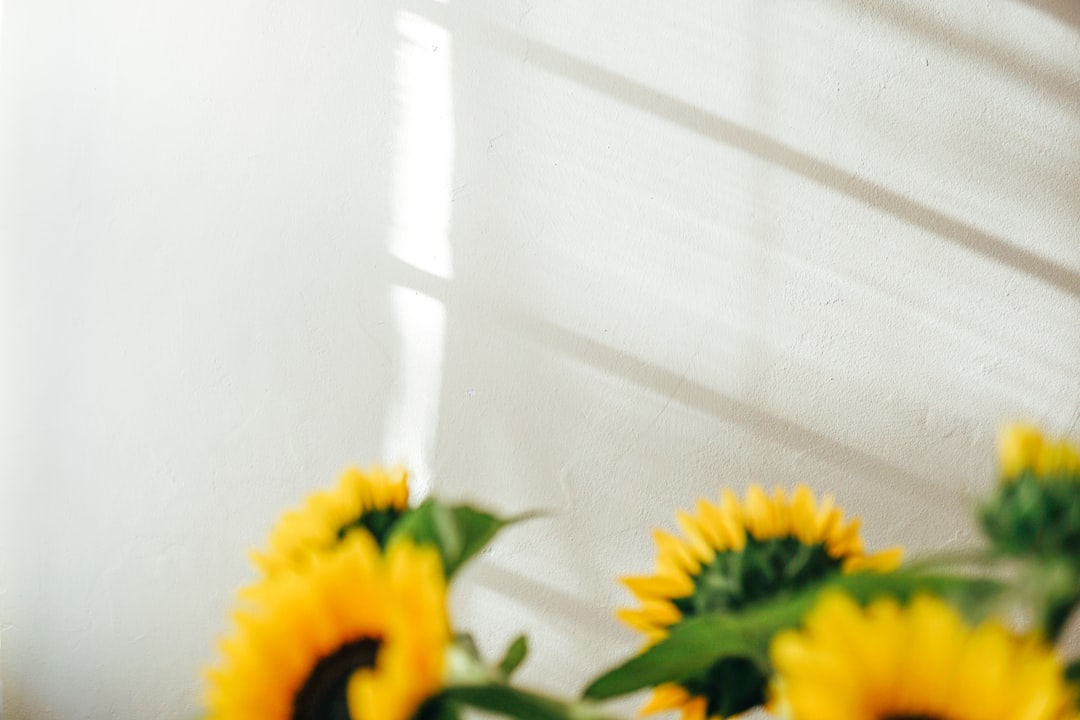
{"type": "Point", "coordinates": [423, 162]}
{"type": "Point", "coordinates": [412, 420]}
{"type": "Point", "coordinates": [424, 151]}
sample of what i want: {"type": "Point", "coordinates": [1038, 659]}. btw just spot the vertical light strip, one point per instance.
{"type": "Point", "coordinates": [423, 161]}
{"type": "Point", "coordinates": [424, 151]}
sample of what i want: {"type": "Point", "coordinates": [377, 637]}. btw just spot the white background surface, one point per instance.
{"type": "Point", "coordinates": [595, 257]}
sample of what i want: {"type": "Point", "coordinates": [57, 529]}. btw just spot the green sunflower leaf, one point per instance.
{"type": "Point", "coordinates": [697, 644]}
{"type": "Point", "coordinates": [693, 646]}
{"type": "Point", "coordinates": [459, 532]}
{"type": "Point", "coordinates": [514, 656]}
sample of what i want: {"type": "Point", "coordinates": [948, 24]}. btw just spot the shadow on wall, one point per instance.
{"type": "Point", "coordinates": [1063, 10]}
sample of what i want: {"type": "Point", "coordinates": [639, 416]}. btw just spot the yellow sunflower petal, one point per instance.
{"type": "Point", "coordinates": [674, 554]}
{"type": "Point", "coordinates": [1018, 447]}
{"type": "Point", "coordinates": [1057, 458]}
{"type": "Point", "coordinates": [932, 650]}
{"type": "Point", "coordinates": [732, 523]}
{"type": "Point", "coordinates": [695, 709]}
{"type": "Point", "coordinates": [803, 516]}
{"type": "Point", "coordinates": [759, 513]}
{"type": "Point", "coordinates": [882, 562]}
{"type": "Point", "coordinates": [652, 616]}
{"type": "Point", "coordinates": [654, 587]}
{"type": "Point", "coordinates": [709, 520]}
{"type": "Point", "coordinates": [664, 697]}
{"type": "Point", "coordinates": [696, 541]}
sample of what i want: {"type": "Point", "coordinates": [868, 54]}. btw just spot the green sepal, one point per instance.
{"type": "Point", "coordinates": [515, 654]}
{"type": "Point", "coordinates": [458, 532]}
{"type": "Point", "coordinates": [1035, 515]}
{"type": "Point", "coordinates": [736, 579]}
{"type": "Point", "coordinates": [696, 644]}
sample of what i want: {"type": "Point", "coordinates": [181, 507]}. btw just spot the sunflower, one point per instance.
{"type": "Point", "coordinates": [353, 633]}
{"type": "Point", "coordinates": [922, 660]}
{"type": "Point", "coordinates": [734, 554]}
{"type": "Point", "coordinates": [1036, 508]}
{"type": "Point", "coordinates": [372, 499]}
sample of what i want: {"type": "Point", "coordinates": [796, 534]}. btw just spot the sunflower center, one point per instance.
{"type": "Point", "coordinates": [324, 694]}
{"type": "Point", "coordinates": [377, 521]}
{"type": "Point", "coordinates": [761, 570]}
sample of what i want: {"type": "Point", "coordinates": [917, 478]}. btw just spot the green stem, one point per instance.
{"type": "Point", "coordinates": [473, 683]}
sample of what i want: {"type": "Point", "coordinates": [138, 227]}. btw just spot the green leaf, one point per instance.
{"type": "Point", "coordinates": [693, 646]}
{"type": "Point", "coordinates": [477, 529]}
{"type": "Point", "coordinates": [697, 643]}
{"type": "Point", "coordinates": [459, 532]}
{"type": "Point", "coordinates": [514, 656]}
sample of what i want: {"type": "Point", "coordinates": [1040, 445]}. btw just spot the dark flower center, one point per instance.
{"type": "Point", "coordinates": [324, 694]}
{"type": "Point", "coordinates": [378, 521]}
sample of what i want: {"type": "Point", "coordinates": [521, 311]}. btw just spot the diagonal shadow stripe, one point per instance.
{"type": "Point", "coordinates": [762, 146]}
{"type": "Point", "coordinates": [708, 400]}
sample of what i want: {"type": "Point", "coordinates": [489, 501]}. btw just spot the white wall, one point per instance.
{"type": "Point", "coordinates": [597, 257]}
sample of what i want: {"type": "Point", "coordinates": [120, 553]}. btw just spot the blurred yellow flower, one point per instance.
{"type": "Point", "coordinates": [888, 661]}
{"type": "Point", "coordinates": [351, 633]}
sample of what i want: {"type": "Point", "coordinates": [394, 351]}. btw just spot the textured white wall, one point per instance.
{"type": "Point", "coordinates": [597, 257]}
